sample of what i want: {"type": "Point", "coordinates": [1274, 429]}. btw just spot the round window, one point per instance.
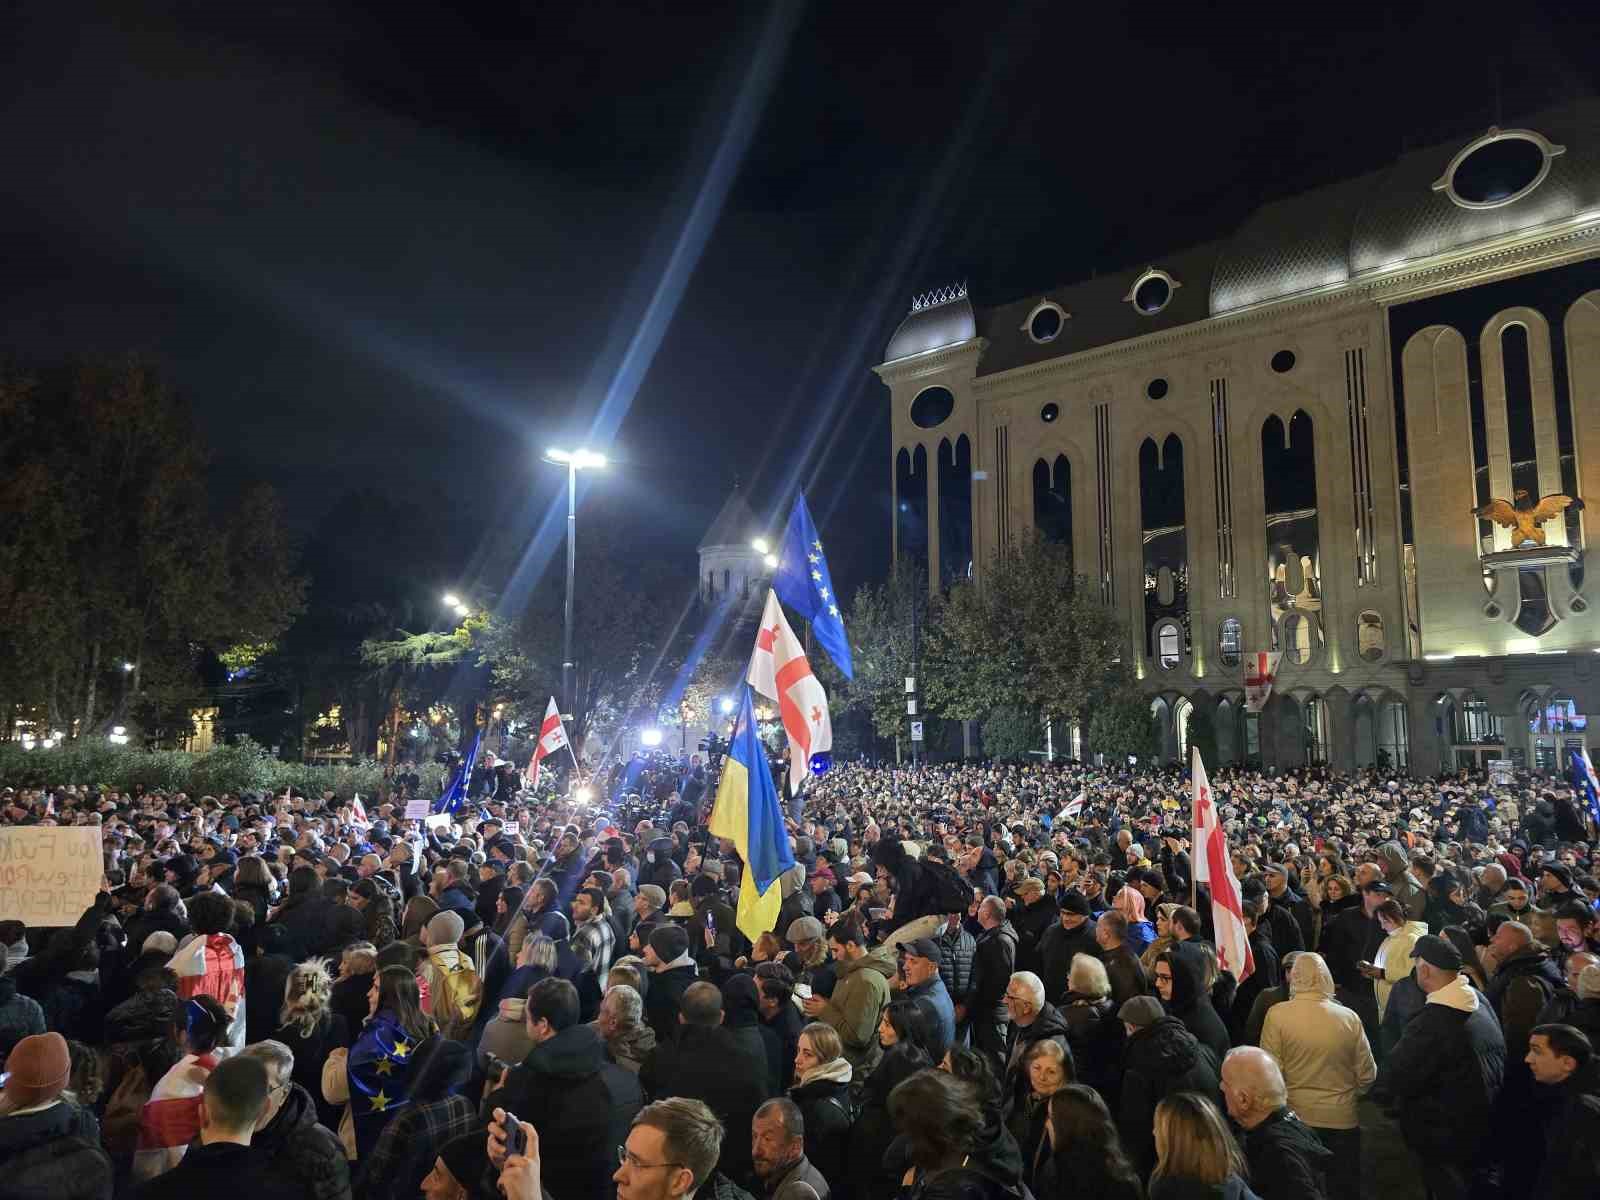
{"type": "Point", "coordinates": [1283, 361]}
{"type": "Point", "coordinates": [1045, 324]}
{"type": "Point", "coordinates": [1151, 296]}
{"type": "Point", "coordinates": [1156, 389]}
{"type": "Point", "coordinates": [1501, 166]}
{"type": "Point", "coordinates": [932, 407]}
{"type": "Point", "coordinates": [1050, 412]}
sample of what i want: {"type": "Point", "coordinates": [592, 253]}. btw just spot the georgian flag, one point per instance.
{"type": "Point", "coordinates": [780, 671]}
{"type": "Point", "coordinates": [1073, 810]}
{"type": "Point", "coordinates": [1260, 671]}
{"type": "Point", "coordinates": [213, 964]}
{"type": "Point", "coordinates": [552, 737]}
{"type": "Point", "coordinates": [358, 811]}
{"type": "Point", "coordinates": [1213, 866]}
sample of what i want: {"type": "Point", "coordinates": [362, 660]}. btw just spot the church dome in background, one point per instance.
{"type": "Point", "coordinates": [938, 319]}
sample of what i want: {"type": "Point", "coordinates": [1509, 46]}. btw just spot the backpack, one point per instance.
{"type": "Point", "coordinates": [456, 994]}
{"type": "Point", "coordinates": [949, 892]}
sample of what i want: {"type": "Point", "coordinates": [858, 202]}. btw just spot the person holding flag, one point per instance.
{"type": "Point", "coordinates": [456, 792]}
{"type": "Point", "coordinates": [780, 671]}
{"type": "Point", "coordinates": [1213, 866]}
{"type": "Point", "coordinates": [552, 737]}
{"type": "Point", "coordinates": [748, 814]}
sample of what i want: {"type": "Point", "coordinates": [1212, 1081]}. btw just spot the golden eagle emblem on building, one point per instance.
{"type": "Point", "coordinates": [1525, 518]}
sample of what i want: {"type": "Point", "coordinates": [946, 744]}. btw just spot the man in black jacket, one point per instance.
{"type": "Point", "coordinates": [1287, 1160]}
{"type": "Point", "coordinates": [708, 1064]}
{"type": "Point", "coordinates": [1072, 934]}
{"type": "Point", "coordinates": [581, 1104]}
{"type": "Point", "coordinates": [1162, 1057]}
{"type": "Point", "coordinates": [1033, 1020]}
{"type": "Point", "coordinates": [993, 961]}
{"type": "Point", "coordinates": [299, 1151]}
{"type": "Point", "coordinates": [1445, 1073]}
{"type": "Point", "coordinates": [1563, 1062]}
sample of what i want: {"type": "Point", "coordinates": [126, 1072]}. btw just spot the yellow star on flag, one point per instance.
{"type": "Point", "coordinates": [380, 1102]}
{"type": "Point", "coordinates": [401, 1049]}
{"type": "Point", "coordinates": [383, 1066]}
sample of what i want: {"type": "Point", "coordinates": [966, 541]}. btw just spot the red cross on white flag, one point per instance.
{"type": "Point", "coordinates": [552, 736]}
{"type": "Point", "coordinates": [1213, 867]}
{"type": "Point", "coordinates": [780, 672]}
{"type": "Point", "coordinates": [1260, 671]}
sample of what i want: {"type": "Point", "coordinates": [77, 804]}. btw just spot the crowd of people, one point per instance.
{"type": "Point", "coordinates": [985, 981]}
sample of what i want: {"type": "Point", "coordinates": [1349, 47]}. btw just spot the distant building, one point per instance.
{"type": "Point", "coordinates": [730, 566]}
{"type": "Point", "coordinates": [1276, 441]}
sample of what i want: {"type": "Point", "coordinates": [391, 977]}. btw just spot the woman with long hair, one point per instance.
{"type": "Point", "coordinates": [1081, 1154]}
{"type": "Point", "coordinates": [940, 1121]}
{"type": "Point", "coordinates": [376, 910]}
{"type": "Point", "coordinates": [907, 1031]}
{"type": "Point", "coordinates": [373, 1079]}
{"type": "Point", "coordinates": [1163, 940]}
{"type": "Point", "coordinates": [822, 1092]}
{"type": "Point", "coordinates": [308, 1025]}
{"type": "Point", "coordinates": [1197, 1157]}
{"type": "Point", "coordinates": [253, 882]}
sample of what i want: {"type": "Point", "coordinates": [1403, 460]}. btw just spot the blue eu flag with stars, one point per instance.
{"type": "Point", "coordinates": [803, 583]}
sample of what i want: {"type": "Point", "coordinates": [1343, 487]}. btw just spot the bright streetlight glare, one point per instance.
{"type": "Point", "coordinates": [770, 562]}
{"type": "Point", "coordinates": [127, 666]}
{"type": "Point", "coordinates": [650, 737]}
{"type": "Point", "coordinates": [727, 705]}
{"type": "Point", "coordinates": [451, 600]}
{"type": "Point", "coordinates": [578, 460]}
{"type": "Point", "coordinates": [760, 546]}
{"type": "Point", "coordinates": [585, 794]}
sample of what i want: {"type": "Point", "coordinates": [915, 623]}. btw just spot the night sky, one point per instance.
{"type": "Point", "coordinates": [380, 245]}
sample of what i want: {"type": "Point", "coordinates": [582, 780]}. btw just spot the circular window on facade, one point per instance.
{"type": "Point", "coordinates": [1152, 292]}
{"type": "Point", "coordinates": [1283, 361]}
{"type": "Point", "coordinates": [1044, 323]}
{"type": "Point", "coordinates": [1502, 166]}
{"type": "Point", "coordinates": [932, 407]}
{"type": "Point", "coordinates": [1050, 412]}
{"type": "Point", "coordinates": [1156, 389]}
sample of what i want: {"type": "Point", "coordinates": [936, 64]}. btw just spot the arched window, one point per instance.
{"type": "Point", "coordinates": [1316, 719]}
{"type": "Point", "coordinates": [1166, 549]}
{"type": "Point", "coordinates": [1299, 637]}
{"type": "Point", "coordinates": [1169, 645]}
{"type": "Point", "coordinates": [1289, 471]}
{"type": "Point", "coordinates": [1181, 712]}
{"type": "Point", "coordinates": [911, 504]}
{"type": "Point", "coordinates": [1476, 725]}
{"type": "Point", "coordinates": [1227, 733]}
{"type": "Point", "coordinates": [1230, 641]}
{"type": "Point", "coordinates": [1394, 738]}
{"type": "Point", "coordinates": [955, 509]}
{"type": "Point", "coordinates": [1369, 636]}
{"type": "Point", "coordinates": [1052, 499]}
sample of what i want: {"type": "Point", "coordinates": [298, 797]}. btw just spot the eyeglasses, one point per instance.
{"type": "Point", "coordinates": [626, 1158]}
{"type": "Point", "coordinates": [1160, 978]}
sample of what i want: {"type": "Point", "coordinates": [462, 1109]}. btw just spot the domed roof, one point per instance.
{"type": "Point", "coordinates": [938, 319]}
{"type": "Point", "coordinates": [735, 525]}
{"type": "Point", "coordinates": [1398, 214]}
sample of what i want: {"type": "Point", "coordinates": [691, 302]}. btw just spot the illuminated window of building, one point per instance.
{"type": "Point", "coordinates": [1230, 641]}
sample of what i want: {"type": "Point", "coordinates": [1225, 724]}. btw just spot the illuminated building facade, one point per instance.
{"type": "Point", "coordinates": [1277, 441]}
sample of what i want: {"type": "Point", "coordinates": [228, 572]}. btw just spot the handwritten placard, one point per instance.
{"type": "Point", "coordinates": [48, 875]}
{"type": "Point", "coordinates": [417, 807]}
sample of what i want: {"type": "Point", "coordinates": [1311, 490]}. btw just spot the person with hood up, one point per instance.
{"type": "Point", "coordinates": [672, 970]}
{"type": "Point", "coordinates": [1408, 890]}
{"type": "Point", "coordinates": [303, 1153]}
{"type": "Point", "coordinates": [580, 1104]}
{"type": "Point", "coordinates": [1325, 1060]}
{"type": "Point", "coordinates": [46, 1140]}
{"type": "Point", "coordinates": [1162, 1058]}
{"type": "Point", "coordinates": [1286, 1160]}
{"type": "Point", "coordinates": [451, 990]}
{"type": "Point", "coordinates": [1140, 933]}
{"type": "Point", "coordinates": [859, 994]}
{"type": "Point", "coordinates": [918, 911]}
{"type": "Point", "coordinates": [1180, 982]}
{"type": "Point", "coordinates": [1033, 1020]}
{"type": "Point", "coordinates": [1445, 1073]}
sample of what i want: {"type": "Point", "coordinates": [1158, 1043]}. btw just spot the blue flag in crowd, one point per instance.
{"type": "Point", "coordinates": [803, 583]}
{"type": "Point", "coordinates": [456, 794]}
{"type": "Point", "coordinates": [1584, 782]}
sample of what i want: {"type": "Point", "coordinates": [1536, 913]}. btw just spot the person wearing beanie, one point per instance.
{"type": "Point", "coordinates": [233, 1099]}
{"type": "Point", "coordinates": [714, 915]}
{"type": "Point", "coordinates": [1162, 1057]}
{"type": "Point", "coordinates": [49, 1146]}
{"type": "Point", "coordinates": [672, 970]}
{"type": "Point", "coordinates": [452, 992]}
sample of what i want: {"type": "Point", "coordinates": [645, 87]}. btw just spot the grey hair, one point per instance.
{"type": "Point", "coordinates": [274, 1055]}
{"type": "Point", "coordinates": [1265, 1079]}
{"type": "Point", "coordinates": [1033, 985]}
{"type": "Point", "coordinates": [625, 1004]}
{"type": "Point", "coordinates": [788, 1114]}
{"type": "Point", "coordinates": [994, 906]}
{"type": "Point", "coordinates": [542, 952]}
{"type": "Point", "coordinates": [1088, 977]}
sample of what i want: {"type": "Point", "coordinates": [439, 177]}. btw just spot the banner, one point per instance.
{"type": "Point", "coordinates": [1260, 671]}
{"type": "Point", "coordinates": [49, 876]}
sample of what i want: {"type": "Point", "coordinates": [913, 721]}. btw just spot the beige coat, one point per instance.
{"type": "Point", "coordinates": [1321, 1047]}
{"type": "Point", "coordinates": [1394, 956]}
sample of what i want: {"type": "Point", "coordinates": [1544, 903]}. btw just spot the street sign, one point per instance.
{"type": "Point", "coordinates": [916, 731]}
{"type": "Point", "coordinates": [911, 684]}
{"type": "Point", "coordinates": [911, 708]}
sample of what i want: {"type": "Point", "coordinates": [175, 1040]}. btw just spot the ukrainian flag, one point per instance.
{"type": "Point", "coordinates": [747, 813]}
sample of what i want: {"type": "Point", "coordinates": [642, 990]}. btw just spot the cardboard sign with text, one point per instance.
{"type": "Point", "coordinates": [48, 876]}
{"type": "Point", "coordinates": [417, 807]}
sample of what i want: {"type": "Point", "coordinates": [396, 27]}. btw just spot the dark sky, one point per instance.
{"type": "Point", "coordinates": [378, 244]}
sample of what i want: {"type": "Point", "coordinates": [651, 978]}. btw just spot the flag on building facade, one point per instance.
{"type": "Point", "coordinates": [780, 671]}
{"type": "Point", "coordinates": [461, 781]}
{"type": "Point", "coordinates": [1213, 867]}
{"type": "Point", "coordinates": [552, 737]}
{"type": "Point", "coordinates": [803, 582]}
{"type": "Point", "coordinates": [748, 814]}
{"type": "Point", "coordinates": [1260, 672]}
{"type": "Point", "coordinates": [1585, 784]}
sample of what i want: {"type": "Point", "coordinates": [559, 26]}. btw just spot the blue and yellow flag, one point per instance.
{"type": "Point", "coordinates": [748, 814]}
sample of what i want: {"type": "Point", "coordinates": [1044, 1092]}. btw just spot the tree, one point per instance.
{"type": "Point", "coordinates": [1123, 725]}
{"type": "Point", "coordinates": [878, 622]}
{"type": "Point", "coordinates": [1011, 733]}
{"type": "Point", "coordinates": [1033, 636]}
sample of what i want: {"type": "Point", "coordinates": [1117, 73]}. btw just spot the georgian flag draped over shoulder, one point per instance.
{"type": "Point", "coordinates": [552, 737]}
{"type": "Point", "coordinates": [1213, 866]}
{"type": "Point", "coordinates": [1260, 672]}
{"type": "Point", "coordinates": [214, 964]}
{"type": "Point", "coordinates": [780, 671]}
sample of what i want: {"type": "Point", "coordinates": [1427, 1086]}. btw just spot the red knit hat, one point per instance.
{"type": "Point", "coordinates": [39, 1067]}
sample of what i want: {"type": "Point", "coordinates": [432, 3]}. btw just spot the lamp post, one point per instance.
{"type": "Point", "coordinates": [574, 461]}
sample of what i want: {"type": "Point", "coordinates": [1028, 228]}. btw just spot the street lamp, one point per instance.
{"type": "Point", "coordinates": [454, 602]}
{"type": "Point", "coordinates": [650, 738]}
{"type": "Point", "coordinates": [727, 705]}
{"type": "Point", "coordinates": [574, 461]}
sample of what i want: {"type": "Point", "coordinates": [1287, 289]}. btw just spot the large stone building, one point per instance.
{"type": "Point", "coordinates": [1275, 442]}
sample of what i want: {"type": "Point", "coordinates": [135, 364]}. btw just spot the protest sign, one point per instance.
{"type": "Point", "coordinates": [48, 875]}
{"type": "Point", "coordinates": [416, 808]}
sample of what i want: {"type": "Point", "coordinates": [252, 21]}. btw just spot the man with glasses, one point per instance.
{"type": "Point", "coordinates": [303, 1154]}
{"type": "Point", "coordinates": [671, 1151]}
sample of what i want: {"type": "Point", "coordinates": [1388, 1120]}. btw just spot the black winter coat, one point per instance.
{"type": "Point", "coordinates": [1572, 1139]}
{"type": "Point", "coordinates": [663, 1000]}
{"type": "Point", "coordinates": [303, 1153]}
{"type": "Point", "coordinates": [1095, 1035]}
{"type": "Point", "coordinates": [874, 1130]}
{"type": "Point", "coordinates": [53, 1154]}
{"type": "Point", "coordinates": [1191, 1004]}
{"type": "Point", "coordinates": [1049, 1025]}
{"type": "Point", "coordinates": [708, 1063]}
{"type": "Point", "coordinates": [958, 953]}
{"type": "Point", "coordinates": [825, 1109]}
{"type": "Point", "coordinates": [1057, 946]}
{"type": "Point", "coordinates": [993, 961]}
{"type": "Point", "coordinates": [220, 1169]}
{"type": "Point", "coordinates": [1032, 922]}
{"type": "Point", "coordinates": [581, 1105]}
{"type": "Point", "coordinates": [1160, 1059]}
{"type": "Point", "coordinates": [1287, 1161]}
{"type": "Point", "coordinates": [1444, 1075]}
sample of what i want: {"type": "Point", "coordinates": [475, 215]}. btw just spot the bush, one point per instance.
{"type": "Point", "coordinates": [1009, 733]}
{"type": "Point", "coordinates": [1124, 726]}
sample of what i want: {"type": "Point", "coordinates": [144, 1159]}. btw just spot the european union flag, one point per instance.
{"type": "Point", "coordinates": [456, 793]}
{"type": "Point", "coordinates": [1584, 782]}
{"type": "Point", "coordinates": [803, 583]}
